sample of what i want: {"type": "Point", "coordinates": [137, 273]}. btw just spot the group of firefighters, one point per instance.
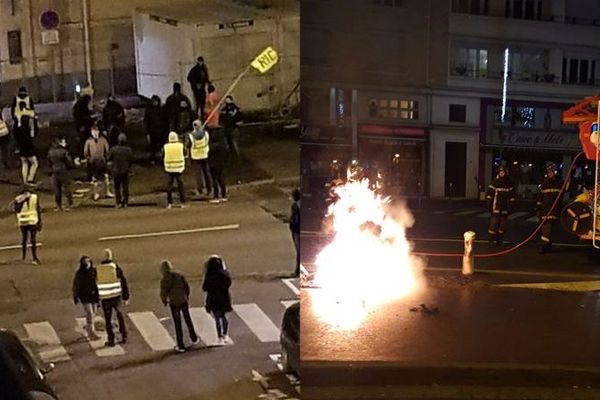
{"type": "Point", "coordinates": [500, 196]}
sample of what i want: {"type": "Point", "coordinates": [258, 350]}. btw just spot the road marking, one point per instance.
{"type": "Point", "coordinates": [438, 212]}
{"type": "Point", "coordinates": [484, 215]}
{"type": "Point", "coordinates": [467, 212]}
{"type": "Point", "coordinates": [533, 219]}
{"type": "Point", "coordinates": [289, 283]}
{"type": "Point", "coordinates": [98, 345]}
{"type": "Point", "coordinates": [258, 322]}
{"type": "Point", "coordinates": [517, 215]}
{"type": "Point", "coordinates": [526, 273]}
{"type": "Point", "coordinates": [18, 246]}
{"type": "Point", "coordinates": [168, 233]}
{"type": "Point", "coordinates": [44, 334]}
{"type": "Point", "coordinates": [205, 326]}
{"type": "Point", "coordinates": [153, 332]}
{"type": "Point", "coordinates": [288, 303]}
{"type": "Point", "coordinates": [580, 286]}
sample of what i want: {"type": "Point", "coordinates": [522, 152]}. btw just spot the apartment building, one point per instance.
{"type": "Point", "coordinates": [438, 93]}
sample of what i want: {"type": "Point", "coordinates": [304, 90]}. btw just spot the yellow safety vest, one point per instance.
{"type": "Point", "coordinates": [174, 160]}
{"type": "Point", "coordinates": [29, 214]}
{"type": "Point", "coordinates": [27, 111]}
{"type": "Point", "coordinates": [109, 285]}
{"type": "Point", "coordinates": [199, 149]}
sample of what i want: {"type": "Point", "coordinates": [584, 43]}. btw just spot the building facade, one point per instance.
{"type": "Point", "coordinates": [438, 94]}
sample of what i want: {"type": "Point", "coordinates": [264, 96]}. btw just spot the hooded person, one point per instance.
{"type": "Point", "coordinates": [175, 292]}
{"type": "Point", "coordinates": [96, 153]}
{"type": "Point", "coordinates": [24, 132]}
{"type": "Point", "coordinates": [217, 282]}
{"type": "Point", "coordinates": [60, 162]}
{"type": "Point", "coordinates": [199, 150]}
{"type": "Point", "coordinates": [21, 97]}
{"type": "Point", "coordinates": [121, 160]}
{"type": "Point", "coordinates": [198, 78]}
{"type": "Point", "coordinates": [174, 165]}
{"type": "Point", "coordinates": [112, 289]}
{"type": "Point", "coordinates": [156, 124]}
{"type": "Point", "coordinates": [85, 292]}
{"type": "Point", "coordinates": [218, 160]}
{"type": "Point", "coordinates": [179, 110]}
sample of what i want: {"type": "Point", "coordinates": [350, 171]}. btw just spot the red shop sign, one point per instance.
{"type": "Point", "coordinates": [386, 130]}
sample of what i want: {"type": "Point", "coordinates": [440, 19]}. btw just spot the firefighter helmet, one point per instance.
{"type": "Point", "coordinates": [550, 166]}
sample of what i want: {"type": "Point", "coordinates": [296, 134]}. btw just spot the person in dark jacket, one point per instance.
{"type": "Point", "coordinates": [178, 106]}
{"type": "Point", "coordinates": [198, 79]}
{"type": "Point", "coordinates": [500, 195]}
{"type": "Point", "coordinates": [295, 227]}
{"type": "Point", "coordinates": [25, 131]}
{"type": "Point", "coordinates": [85, 292]}
{"type": "Point", "coordinates": [60, 163]}
{"type": "Point", "coordinates": [113, 114]}
{"type": "Point", "coordinates": [156, 124]}
{"type": "Point", "coordinates": [121, 157]}
{"type": "Point", "coordinates": [548, 192]}
{"type": "Point", "coordinates": [112, 288]}
{"type": "Point", "coordinates": [175, 292]}
{"type": "Point", "coordinates": [217, 282]}
{"type": "Point", "coordinates": [230, 118]}
{"type": "Point", "coordinates": [4, 142]}
{"type": "Point", "coordinates": [218, 159]}
{"type": "Point", "coordinates": [84, 120]}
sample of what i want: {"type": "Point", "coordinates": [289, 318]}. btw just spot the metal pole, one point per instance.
{"type": "Point", "coordinates": [53, 66]}
{"type": "Point", "coordinates": [86, 42]}
{"type": "Point", "coordinates": [222, 99]}
{"type": "Point", "coordinates": [596, 179]}
{"type": "Point", "coordinates": [354, 124]}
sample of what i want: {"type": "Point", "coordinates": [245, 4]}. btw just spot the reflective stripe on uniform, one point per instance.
{"type": "Point", "coordinates": [503, 189]}
{"type": "Point", "coordinates": [549, 217]}
{"type": "Point", "coordinates": [29, 214]}
{"type": "Point", "coordinates": [174, 159]}
{"type": "Point", "coordinates": [550, 190]}
{"type": "Point", "coordinates": [545, 239]}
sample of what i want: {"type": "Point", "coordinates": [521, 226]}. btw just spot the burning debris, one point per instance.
{"type": "Point", "coordinates": [425, 310]}
{"type": "Point", "coordinates": [368, 263]}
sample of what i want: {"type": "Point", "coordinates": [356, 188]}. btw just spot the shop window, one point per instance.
{"type": "Point", "coordinates": [524, 9]}
{"type": "Point", "coordinates": [577, 71]}
{"type": "Point", "coordinates": [523, 117]}
{"type": "Point", "coordinates": [457, 113]}
{"type": "Point", "coordinates": [394, 108]}
{"type": "Point", "coordinates": [337, 106]}
{"type": "Point", "coordinates": [469, 62]}
{"type": "Point", "coordinates": [15, 50]}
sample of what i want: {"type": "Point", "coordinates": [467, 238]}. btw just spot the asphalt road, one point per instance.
{"type": "Point", "coordinates": [487, 341]}
{"type": "Point", "coordinates": [257, 249]}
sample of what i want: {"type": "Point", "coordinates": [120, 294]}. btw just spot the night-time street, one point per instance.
{"type": "Point", "coordinates": [529, 340]}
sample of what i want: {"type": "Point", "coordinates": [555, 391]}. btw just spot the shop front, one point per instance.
{"type": "Point", "coordinates": [399, 153]}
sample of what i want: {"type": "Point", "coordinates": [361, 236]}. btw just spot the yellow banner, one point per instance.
{"type": "Point", "coordinates": [265, 60]}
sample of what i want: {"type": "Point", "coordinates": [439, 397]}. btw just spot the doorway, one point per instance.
{"type": "Point", "coordinates": [456, 169]}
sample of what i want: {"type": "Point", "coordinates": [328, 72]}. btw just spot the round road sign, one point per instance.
{"type": "Point", "coordinates": [49, 19]}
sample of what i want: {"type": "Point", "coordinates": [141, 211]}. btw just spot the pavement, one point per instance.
{"type": "Point", "coordinates": [523, 326]}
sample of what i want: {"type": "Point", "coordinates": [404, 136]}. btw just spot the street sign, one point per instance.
{"type": "Point", "coordinates": [265, 60]}
{"type": "Point", "coordinates": [49, 20]}
{"type": "Point", "coordinates": [50, 37]}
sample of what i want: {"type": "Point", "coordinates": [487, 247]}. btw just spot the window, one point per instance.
{"type": "Point", "coordinates": [524, 9]}
{"type": "Point", "coordinates": [15, 51]}
{"type": "Point", "coordinates": [469, 62]}
{"type": "Point", "coordinates": [523, 117]}
{"type": "Point", "coordinates": [577, 71]}
{"type": "Point", "coordinates": [394, 108]}
{"type": "Point", "coordinates": [471, 6]}
{"type": "Point", "coordinates": [457, 113]}
{"type": "Point", "coordinates": [528, 65]}
{"type": "Point", "coordinates": [337, 106]}
{"type": "Point", "coordinates": [388, 3]}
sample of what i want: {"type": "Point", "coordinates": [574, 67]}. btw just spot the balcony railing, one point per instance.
{"type": "Point", "coordinates": [543, 18]}
{"type": "Point", "coordinates": [536, 77]}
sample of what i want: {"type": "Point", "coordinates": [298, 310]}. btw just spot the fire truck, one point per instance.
{"type": "Point", "coordinates": [580, 216]}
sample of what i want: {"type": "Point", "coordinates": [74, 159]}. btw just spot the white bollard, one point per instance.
{"type": "Point", "coordinates": [468, 265]}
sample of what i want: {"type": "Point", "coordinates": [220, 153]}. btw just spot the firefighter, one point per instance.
{"type": "Point", "coordinates": [29, 219]}
{"type": "Point", "coordinates": [500, 196]}
{"type": "Point", "coordinates": [548, 191]}
{"type": "Point", "coordinates": [356, 171]}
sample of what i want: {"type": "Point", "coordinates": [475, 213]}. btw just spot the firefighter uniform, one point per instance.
{"type": "Point", "coordinates": [548, 191]}
{"type": "Point", "coordinates": [500, 195]}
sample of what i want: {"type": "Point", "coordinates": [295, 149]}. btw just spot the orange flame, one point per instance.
{"type": "Point", "coordinates": [368, 263]}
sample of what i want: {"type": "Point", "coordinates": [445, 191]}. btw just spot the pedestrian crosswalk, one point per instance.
{"type": "Point", "coordinates": [155, 332]}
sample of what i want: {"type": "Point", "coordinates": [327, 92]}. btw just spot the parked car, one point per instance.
{"type": "Point", "coordinates": [24, 377]}
{"type": "Point", "coordinates": [290, 339]}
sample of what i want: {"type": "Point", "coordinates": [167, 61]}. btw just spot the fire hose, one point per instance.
{"type": "Point", "coordinates": [526, 240]}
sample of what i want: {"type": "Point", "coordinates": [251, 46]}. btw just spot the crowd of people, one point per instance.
{"type": "Point", "coordinates": [105, 287]}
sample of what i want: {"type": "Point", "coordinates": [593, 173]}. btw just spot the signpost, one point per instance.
{"type": "Point", "coordinates": [263, 63]}
{"type": "Point", "coordinates": [49, 21]}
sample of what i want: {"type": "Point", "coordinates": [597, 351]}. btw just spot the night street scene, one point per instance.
{"type": "Point", "coordinates": [448, 165]}
{"type": "Point", "coordinates": [149, 218]}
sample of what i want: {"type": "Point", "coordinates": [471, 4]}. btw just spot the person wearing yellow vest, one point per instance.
{"type": "Point", "coordinates": [174, 164]}
{"type": "Point", "coordinates": [29, 219]}
{"type": "Point", "coordinates": [112, 288]}
{"type": "Point", "coordinates": [199, 149]}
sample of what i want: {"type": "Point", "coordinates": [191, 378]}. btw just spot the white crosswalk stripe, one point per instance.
{"type": "Point", "coordinates": [287, 303]}
{"type": "Point", "coordinates": [517, 215]}
{"type": "Point", "coordinates": [258, 322]}
{"type": "Point", "coordinates": [205, 326]}
{"type": "Point", "coordinates": [153, 332]}
{"type": "Point", "coordinates": [291, 284]}
{"type": "Point", "coordinates": [98, 345]}
{"type": "Point", "coordinates": [44, 334]}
